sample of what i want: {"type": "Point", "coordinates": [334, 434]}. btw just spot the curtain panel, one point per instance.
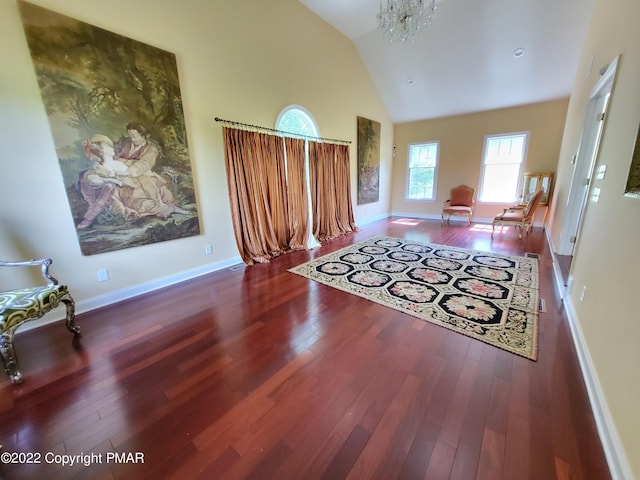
{"type": "Point", "coordinates": [330, 190]}
{"type": "Point", "coordinates": [261, 204]}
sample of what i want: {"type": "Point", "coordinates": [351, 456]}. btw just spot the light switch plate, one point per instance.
{"type": "Point", "coordinates": [103, 275]}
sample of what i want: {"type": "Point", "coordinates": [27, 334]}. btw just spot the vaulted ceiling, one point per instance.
{"type": "Point", "coordinates": [464, 62]}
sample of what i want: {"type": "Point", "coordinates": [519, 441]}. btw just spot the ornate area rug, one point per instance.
{"type": "Point", "coordinates": [490, 297]}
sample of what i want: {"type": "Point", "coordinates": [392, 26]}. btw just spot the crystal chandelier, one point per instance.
{"type": "Point", "coordinates": [401, 20]}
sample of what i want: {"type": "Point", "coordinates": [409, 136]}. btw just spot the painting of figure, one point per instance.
{"type": "Point", "coordinates": [368, 161]}
{"type": "Point", "coordinates": [115, 111]}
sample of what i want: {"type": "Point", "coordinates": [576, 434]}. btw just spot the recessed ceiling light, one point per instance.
{"type": "Point", "coordinates": [518, 52]}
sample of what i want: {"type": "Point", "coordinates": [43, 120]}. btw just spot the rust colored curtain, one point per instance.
{"type": "Point", "coordinates": [261, 204]}
{"type": "Point", "coordinates": [330, 190]}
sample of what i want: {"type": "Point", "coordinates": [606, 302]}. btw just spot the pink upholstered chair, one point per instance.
{"type": "Point", "coordinates": [521, 217]}
{"type": "Point", "coordinates": [461, 203]}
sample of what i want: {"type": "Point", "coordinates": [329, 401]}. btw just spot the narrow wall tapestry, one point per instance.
{"type": "Point", "coordinates": [368, 161]}
{"type": "Point", "coordinates": [632, 189]}
{"type": "Point", "coordinates": [115, 112]}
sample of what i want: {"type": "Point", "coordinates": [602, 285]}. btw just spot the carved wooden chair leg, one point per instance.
{"type": "Point", "coordinates": [70, 304]}
{"type": "Point", "coordinates": [9, 357]}
{"type": "Point", "coordinates": [27, 304]}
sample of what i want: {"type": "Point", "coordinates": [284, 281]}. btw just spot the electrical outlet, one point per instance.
{"type": "Point", "coordinates": [208, 249]}
{"type": "Point", "coordinates": [103, 275]}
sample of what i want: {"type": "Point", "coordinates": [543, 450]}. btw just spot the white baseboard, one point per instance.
{"type": "Point", "coordinates": [415, 215]}
{"type": "Point", "coordinates": [430, 216]}
{"type": "Point", "coordinates": [557, 274]}
{"type": "Point", "coordinates": [93, 303]}
{"type": "Point", "coordinates": [613, 449]}
{"type": "Point", "coordinates": [367, 221]}
{"type": "Point", "coordinates": [459, 218]}
{"type": "Point", "coordinates": [611, 444]}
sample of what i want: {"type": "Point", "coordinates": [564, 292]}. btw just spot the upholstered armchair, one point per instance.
{"type": "Point", "coordinates": [461, 203]}
{"type": "Point", "coordinates": [25, 304]}
{"type": "Point", "coordinates": [521, 217]}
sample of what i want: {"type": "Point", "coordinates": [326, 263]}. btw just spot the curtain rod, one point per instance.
{"type": "Point", "coordinates": [281, 132]}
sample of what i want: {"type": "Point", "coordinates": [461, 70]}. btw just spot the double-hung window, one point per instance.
{"type": "Point", "coordinates": [422, 171]}
{"type": "Point", "coordinates": [502, 164]}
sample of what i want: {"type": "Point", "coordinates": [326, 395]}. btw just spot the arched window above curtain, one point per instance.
{"type": "Point", "coordinates": [296, 119]}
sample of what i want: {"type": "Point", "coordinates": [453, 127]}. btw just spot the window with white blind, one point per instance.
{"type": "Point", "coordinates": [502, 162]}
{"type": "Point", "coordinates": [422, 171]}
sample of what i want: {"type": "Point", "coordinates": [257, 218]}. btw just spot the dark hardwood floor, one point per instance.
{"type": "Point", "coordinates": [258, 373]}
{"type": "Point", "coordinates": [564, 262]}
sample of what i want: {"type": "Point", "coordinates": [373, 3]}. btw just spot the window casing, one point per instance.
{"type": "Point", "coordinates": [422, 170]}
{"type": "Point", "coordinates": [502, 163]}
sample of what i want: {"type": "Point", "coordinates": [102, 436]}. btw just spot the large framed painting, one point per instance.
{"type": "Point", "coordinates": [115, 111]}
{"type": "Point", "coordinates": [632, 188]}
{"type": "Point", "coordinates": [368, 161]}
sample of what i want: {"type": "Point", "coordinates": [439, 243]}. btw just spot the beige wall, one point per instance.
{"type": "Point", "coordinates": [606, 257]}
{"type": "Point", "coordinates": [461, 143]}
{"type": "Point", "coordinates": [242, 60]}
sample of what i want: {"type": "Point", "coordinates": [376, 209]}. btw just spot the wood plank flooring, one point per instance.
{"type": "Point", "coordinates": [257, 373]}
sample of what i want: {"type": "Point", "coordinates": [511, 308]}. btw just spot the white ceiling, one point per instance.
{"type": "Point", "coordinates": [464, 61]}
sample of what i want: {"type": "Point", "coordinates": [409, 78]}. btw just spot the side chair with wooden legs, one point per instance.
{"type": "Point", "coordinates": [521, 217]}
{"type": "Point", "coordinates": [461, 203]}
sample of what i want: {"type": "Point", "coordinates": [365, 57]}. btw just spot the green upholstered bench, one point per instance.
{"type": "Point", "coordinates": [25, 304]}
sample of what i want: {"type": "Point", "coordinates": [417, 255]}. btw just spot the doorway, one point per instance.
{"type": "Point", "coordinates": [584, 166]}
